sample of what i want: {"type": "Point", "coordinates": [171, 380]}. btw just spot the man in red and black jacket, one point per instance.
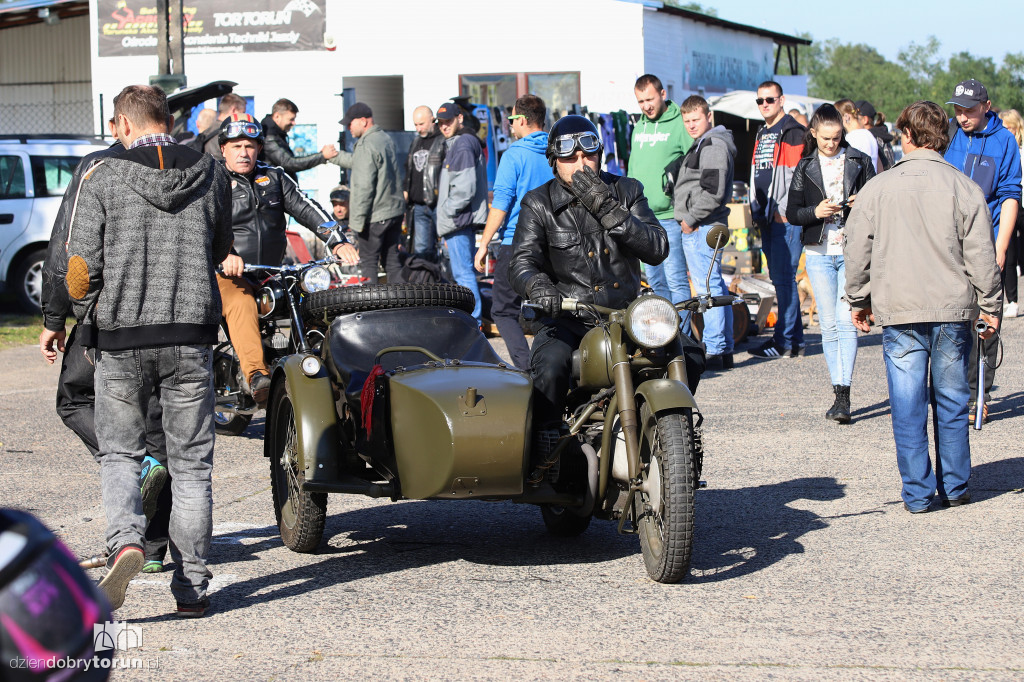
{"type": "Point", "coordinates": [778, 148]}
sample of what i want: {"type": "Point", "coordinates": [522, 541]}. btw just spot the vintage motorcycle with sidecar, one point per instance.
{"type": "Point", "coordinates": [394, 392]}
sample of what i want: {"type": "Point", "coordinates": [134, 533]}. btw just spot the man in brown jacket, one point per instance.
{"type": "Point", "coordinates": [920, 257]}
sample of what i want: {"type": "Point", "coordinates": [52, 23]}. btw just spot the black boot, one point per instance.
{"type": "Point", "coordinates": [831, 413]}
{"type": "Point", "coordinates": [842, 406]}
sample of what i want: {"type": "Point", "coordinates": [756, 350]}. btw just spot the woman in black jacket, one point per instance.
{"type": "Point", "coordinates": [824, 185]}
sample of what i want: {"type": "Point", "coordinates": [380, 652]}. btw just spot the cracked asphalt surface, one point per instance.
{"type": "Point", "coordinates": [805, 566]}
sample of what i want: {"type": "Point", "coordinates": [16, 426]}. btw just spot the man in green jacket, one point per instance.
{"type": "Point", "coordinates": [658, 139]}
{"type": "Point", "coordinates": [376, 205]}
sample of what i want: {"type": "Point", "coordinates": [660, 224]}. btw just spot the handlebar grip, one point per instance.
{"type": "Point", "coordinates": [724, 300]}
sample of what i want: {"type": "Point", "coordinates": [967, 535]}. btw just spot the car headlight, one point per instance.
{"type": "Point", "coordinates": [316, 279]}
{"type": "Point", "coordinates": [652, 321]}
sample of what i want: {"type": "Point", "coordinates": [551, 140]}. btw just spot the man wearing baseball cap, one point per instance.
{"type": "Point", "coordinates": [376, 206]}
{"type": "Point", "coordinates": [461, 196]}
{"type": "Point", "coordinates": [988, 154]}
{"type": "Point", "coordinates": [867, 114]}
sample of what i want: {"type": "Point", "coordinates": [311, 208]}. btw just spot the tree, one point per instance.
{"type": "Point", "coordinates": [694, 7]}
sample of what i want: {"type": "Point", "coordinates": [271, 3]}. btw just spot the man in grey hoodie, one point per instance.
{"type": "Point", "coordinates": [146, 228]}
{"type": "Point", "coordinates": [703, 186]}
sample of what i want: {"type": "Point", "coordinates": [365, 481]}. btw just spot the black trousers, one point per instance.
{"type": "Point", "coordinates": [76, 399]}
{"type": "Point", "coordinates": [378, 243]}
{"type": "Point", "coordinates": [991, 349]}
{"type": "Point", "coordinates": [551, 367]}
{"type": "Point", "coordinates": [505, 306]}
{"type": "Point", "coordinates": [1012, 261]}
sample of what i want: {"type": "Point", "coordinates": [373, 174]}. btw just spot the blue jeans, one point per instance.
{"type": "Point", "coordinates": [838, 335]}
{"type": "Point", "coordinates": [181, 377]}
{"type": "Point", "coordinates": [717, 321]}
{"type": "Point", "coordinates": [782, 246]}
{"type": "Point", "coordinates": [908, 349]}
{"type": "Point", "coordinates": [461, 249]}
{"type": "Point", "coordinates": [669, 279]}
{"type": "Point", "coordinates": [424, 231]}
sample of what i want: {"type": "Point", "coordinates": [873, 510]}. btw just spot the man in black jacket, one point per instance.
{"type": "Point", "coordinates": [581, 235]}
{"type": "Point", "coordinates": [422, 172]}
{"type": "Point", "coordinates": [276, 150]}
{"type": "Point", "coordinates": [262, 197]}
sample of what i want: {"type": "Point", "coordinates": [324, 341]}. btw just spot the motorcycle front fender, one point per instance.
{"type": "Point", "coordinates": [666, 394]}
{"type": "Point", "coordinates": [316, 422]}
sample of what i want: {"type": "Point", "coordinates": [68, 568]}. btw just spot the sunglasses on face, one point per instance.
{"type": "Point", "coordinates": [768, 100]}
{"type": "Point", "coordinates": [240, 128]}
{"type": "Point", "coordinates": [566, 145]}
{"type": "Point", "coordinates": [512, 119]}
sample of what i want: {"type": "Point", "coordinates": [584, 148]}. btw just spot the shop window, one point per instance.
{"type": "Point", "coordinates": [494, 90]}
{"type": "Point", "coordinates": [560, 91]}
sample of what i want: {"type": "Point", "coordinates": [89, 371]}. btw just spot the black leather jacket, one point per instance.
{"type": "Point", "coordinates": [56, 303]}
{"type": "Point", "coordinates": [425, 159]}
{"type": "Point", "coordinates": [558, 239]}
{"type": "Point", "coordinates": [277, 151]}
{"type": "Point", "coordinates": [807, 190]}
{"type": "Point", "coordinates": [259, 204]}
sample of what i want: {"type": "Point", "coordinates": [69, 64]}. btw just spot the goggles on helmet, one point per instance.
{"type": "Point", "coordinates": [566, 145]}
{"type": "Point", "coordinates": [237, 129]}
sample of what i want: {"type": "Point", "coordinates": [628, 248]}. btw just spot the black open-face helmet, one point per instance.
{"type": "Point", "coordinates": [240, 126]}
{"type": "Point", "coordinates": [569, 134]}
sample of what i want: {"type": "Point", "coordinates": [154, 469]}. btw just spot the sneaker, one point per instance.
{"type": "Point", "coordinates": [153, 567]}
{"type": "Point", "coordinates": [123, 565]}
{"type": "Point", "coordinates": [769, 350]}
{"type": "Point", "coordinates": [196, 610]}
{"type": "Point", "coordinates": [152, 479]}
{"type": "Point", "coordinates": [972, 412]}
{"type": "Point", "coordinates": [1010, 309]}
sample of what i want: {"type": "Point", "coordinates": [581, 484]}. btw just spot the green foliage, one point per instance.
{"type": "Point", "coordinates": [694, 7]}
{"type": "Point", "coordinates": [836, 70]}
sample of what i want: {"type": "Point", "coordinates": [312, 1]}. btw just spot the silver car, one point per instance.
{"type": "Point", "coordinates": [34, 172]}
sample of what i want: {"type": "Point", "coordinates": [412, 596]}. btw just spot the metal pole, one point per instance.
{"type": "Point", "coordinates": [162, 54]}
{"type": "Point", "coordinates": [177, 38]}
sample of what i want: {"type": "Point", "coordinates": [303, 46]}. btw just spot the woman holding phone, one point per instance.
{"type": "Point", "coordinates": [824, 186]}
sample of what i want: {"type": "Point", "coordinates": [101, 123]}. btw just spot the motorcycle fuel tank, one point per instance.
{"type": "Point", "coordinates": [460, 431]}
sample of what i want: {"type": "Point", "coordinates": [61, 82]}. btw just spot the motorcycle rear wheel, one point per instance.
{"type": "Point", "coordinates": [664, 510]}
{"type": "Point", "coordinates": [301, 516]}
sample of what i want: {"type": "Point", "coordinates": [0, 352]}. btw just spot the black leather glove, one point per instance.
{"type": "Point", "coordinates": [596, 196]}
{"type": "Point", "coordinates": [544, 294]}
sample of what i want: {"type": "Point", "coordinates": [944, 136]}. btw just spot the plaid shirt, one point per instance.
{"type": "Point", "coordinates": [153, 140]}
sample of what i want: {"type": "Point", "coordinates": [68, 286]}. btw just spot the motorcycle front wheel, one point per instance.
{"type": "Point", "coordinates": [300, 515]}
{"type": "Point", "coordinates": [664, 507]}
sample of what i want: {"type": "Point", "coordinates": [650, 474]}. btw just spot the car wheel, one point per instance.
{"type": "Point", "coordinates": [27, 281]}
{"type": "Point", "coordinates": [333, 302]}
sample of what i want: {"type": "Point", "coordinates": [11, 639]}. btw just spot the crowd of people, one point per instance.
{"type": "Point", "coordinates": [136, 374]}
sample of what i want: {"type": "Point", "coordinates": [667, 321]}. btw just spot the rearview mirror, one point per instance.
{"type": "Point", "coordinates": [718, 236]}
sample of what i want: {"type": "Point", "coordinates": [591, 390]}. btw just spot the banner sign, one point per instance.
{"type": "Point", "coordinates": [129, 27]}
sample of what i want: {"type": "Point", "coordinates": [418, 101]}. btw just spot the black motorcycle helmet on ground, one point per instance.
{"type": "Point", "coordinates": [570, 134]}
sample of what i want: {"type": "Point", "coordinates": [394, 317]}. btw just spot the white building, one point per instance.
{"type": "Point", "coordinates": [394, 55]}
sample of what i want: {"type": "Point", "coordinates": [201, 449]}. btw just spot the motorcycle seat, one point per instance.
{"type": "Point", "coordinates": [355, 339]}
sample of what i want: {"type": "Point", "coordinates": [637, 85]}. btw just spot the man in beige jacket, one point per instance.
{"type": "Point", "coordinates": [919, 257]}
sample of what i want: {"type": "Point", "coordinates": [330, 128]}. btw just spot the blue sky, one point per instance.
{"type": "Point", "coordinates": [890, 26]}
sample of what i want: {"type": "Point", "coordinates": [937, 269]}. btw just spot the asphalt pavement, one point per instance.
{"type": "Point", "coordinates": [805, 566]}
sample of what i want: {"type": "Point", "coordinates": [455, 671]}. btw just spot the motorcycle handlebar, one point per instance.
{"type": "Point", "coordinates": [255, 267]}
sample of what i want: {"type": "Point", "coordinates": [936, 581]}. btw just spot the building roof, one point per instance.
{"type": "Point", "coordinates": [22, 12]}
{"type": "Point", "coordinates": [779, 38]}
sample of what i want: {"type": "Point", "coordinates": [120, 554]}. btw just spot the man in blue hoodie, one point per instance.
{"type": "Point", "coordinates": [986, 152]}
{"type": "Point", "coordinates": [523, 167]}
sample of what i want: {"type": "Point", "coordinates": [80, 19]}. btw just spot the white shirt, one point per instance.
{"type": "Point", "coordinates": [863, 141]}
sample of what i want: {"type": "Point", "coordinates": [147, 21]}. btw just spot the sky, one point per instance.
{"type": "Point", "coordinates": [890, 26]}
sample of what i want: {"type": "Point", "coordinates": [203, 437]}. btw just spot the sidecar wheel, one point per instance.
{"type": "Point", "coordinates": [333, 302]}
{"type": "Point", "coordinates": [562, 522]}
{"type": "Point", "coordinates": [664, 508]}
{"type": "Point", "coordinates": [300, 515]}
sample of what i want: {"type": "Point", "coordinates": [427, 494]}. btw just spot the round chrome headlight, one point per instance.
{"type": "Point", "coordinates": [316, 279]}
{"type": "Point", "coordinates": [310, 365]}
{"type": "Point", "coordinates": [652, 321]}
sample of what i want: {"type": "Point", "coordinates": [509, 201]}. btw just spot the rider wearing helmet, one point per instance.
{"type": "Point", "coordinates": [262, 197]}
{"type": "Point", "coordinates": [581, 235]}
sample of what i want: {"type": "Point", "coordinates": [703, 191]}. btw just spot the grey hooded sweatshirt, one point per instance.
{"type": "Point", "coordinates": [147, 228]}
{"type": "Point", "coordinates": [704, 185]}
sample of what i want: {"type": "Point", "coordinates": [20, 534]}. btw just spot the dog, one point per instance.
{"type": "Point", "coordinates": [803, 287]}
